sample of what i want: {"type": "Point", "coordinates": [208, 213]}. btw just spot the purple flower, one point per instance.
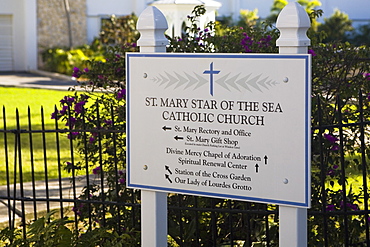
{"type": "Point", "coordinates": [264, 42]}
{"type": "Point", "coordinates": [120, 172]}
{"type": "Point", "coordinates": [97, 170]}
{"type": "Point", "coordinates": [91, 140]}
{"type": "Point", "coordinates": [86, 70]}
{"type": "Point", "coordinates": [76, 72]}
{"type": "Point", "coordinates": [71, 122]}
{"type": "Point", "coordinates": [330, 207]}
{"type": "Point", "coordinates": [246, 42]}
{"type": "Point", "coordinates": [54, 115]}
{"type": "Point", "coordinates": [121, 94]}
{"type": "Point", "coordinates": [121, 181]}
{"type": "Point", "coordinates": [79, 107]}
{"type": "Point", "coordinates": [64, 110]}
{"type": "Point", "coordinates": [206, 30]}
{"type": "Point", "coordinates": [331, 172]}
{"type": "Point", "coordinates": [349, 205]}
{"type": "Point", "coordinates": [67, 100]}
{"type": "Point", "coordinates": [72, 135]}
{"type": "Point", "coordinates": [330, 138]}
{"type": "Point", "coordinates": [76, 210]}
{"type": "Point", "coordinates": [108, 122]}
{"type": "Point", "coordinates": [312, 52]}
{"type": "Point", "coordinates": [335, 147]}
{"type": "Point", "coordinates": [353, 206]}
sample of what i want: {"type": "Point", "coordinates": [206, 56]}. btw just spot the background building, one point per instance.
{"type": "Point", "coordinates": [18, 28]}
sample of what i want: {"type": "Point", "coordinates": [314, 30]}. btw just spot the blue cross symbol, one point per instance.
{"type": "Point", "coordinates": [211, 72]}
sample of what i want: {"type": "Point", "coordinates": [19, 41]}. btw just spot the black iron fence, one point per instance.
{"type": "Point", "coordinates": [80, 173]}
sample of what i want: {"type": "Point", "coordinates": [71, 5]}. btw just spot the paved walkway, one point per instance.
{"type": "Point", "coordinates": [36, 79]}
{"type": "Point", "coordinates": [55, 192]}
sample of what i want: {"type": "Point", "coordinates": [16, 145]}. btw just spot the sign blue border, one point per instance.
{"type": "Point", "coordinates": [307, 60]}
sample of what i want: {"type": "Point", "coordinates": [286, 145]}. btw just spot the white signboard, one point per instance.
{"type": "Point", "coordinates": [233, 126]}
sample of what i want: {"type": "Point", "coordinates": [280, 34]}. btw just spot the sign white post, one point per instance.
{"type": "Point", "coordinates": [293, 23]}
{"type": "Point", "coordinates": [152, 24]}
{"type": "Point", "coordinates": [220, 125]}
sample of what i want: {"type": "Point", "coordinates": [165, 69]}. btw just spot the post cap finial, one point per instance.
{"type": "Point", "coordinates": [152, 24]}
{"type": "Point", "coordinates": [293, 23]}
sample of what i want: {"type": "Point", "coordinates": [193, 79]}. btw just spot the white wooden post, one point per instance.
{"type": "Point", "coordinates": [293, 23]}
{"type": "Point", "coordinates": [152, 24]}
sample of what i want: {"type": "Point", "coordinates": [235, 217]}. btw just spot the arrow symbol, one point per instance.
{"type": "Point", "coordinates": [168, 169]}
{"type": "Point", "coordinates": [257, 166]}
{"type": "Point", "coordinates": [168, 178]}
{"type": "Point", "coordinates": [266, 158]}
{"type": "Point", "coordinates": [165, 128]}
{"type": "Point", "coordinates": [178, 138]}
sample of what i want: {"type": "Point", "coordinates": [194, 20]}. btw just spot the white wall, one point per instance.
{"type": "Point", "coordinates": [30, 34]}
{"type": "Point", "coordinates": [24, 32]}
{"type": "Point", "coordinates": [108, 7]}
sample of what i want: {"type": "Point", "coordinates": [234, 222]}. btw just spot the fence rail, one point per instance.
{"type": "Point", "coordinates": [34, 181]}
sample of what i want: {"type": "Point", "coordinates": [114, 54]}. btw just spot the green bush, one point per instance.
{"type": "Point", "coordinates": [64, 60]}
{"type": "Point", "coordinates": [119, 30]}
{"type": "Point", "coordinates": [56, 232]}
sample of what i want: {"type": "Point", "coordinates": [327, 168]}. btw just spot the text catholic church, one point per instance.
{"type": "Point", "coordinates": [28, 26]}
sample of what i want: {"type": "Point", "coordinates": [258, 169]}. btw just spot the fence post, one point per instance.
{"type": "Point", "coordinates": [152, 24]}
{"type": "Point", "coordinates": [293, 23]}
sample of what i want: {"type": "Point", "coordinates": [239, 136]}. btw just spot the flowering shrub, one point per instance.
{"type": "Point", "coordinates": [221, 39]}
{"type": "Point", "coordinates": [339, 89]}
{"type": "Point", "coordinates": [338, 69]}
{"type": "Point", "coordinates": [95, 118]}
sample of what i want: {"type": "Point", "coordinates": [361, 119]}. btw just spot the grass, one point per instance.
{"type": "Point", "coordinates": [36, 161]}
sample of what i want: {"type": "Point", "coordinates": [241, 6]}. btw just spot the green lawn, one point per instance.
{"type": "Point", "coordinates": [12, 99]}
